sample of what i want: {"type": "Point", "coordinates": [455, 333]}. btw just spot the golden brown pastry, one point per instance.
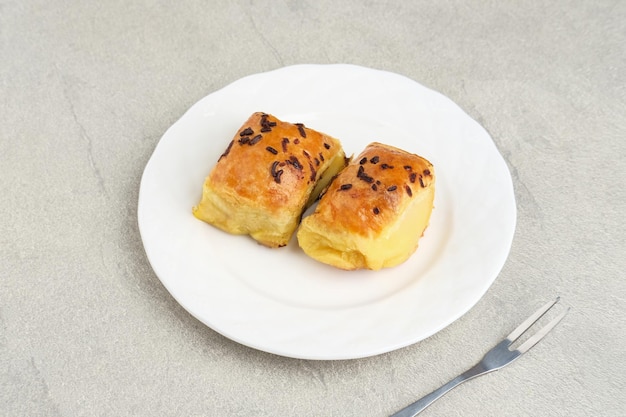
{"type": "Point", "coordinates": [267, 176]}
{"type": "Point", "coordinates": [373, 213]}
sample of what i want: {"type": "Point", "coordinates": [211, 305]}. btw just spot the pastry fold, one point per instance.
{"type": "Point", "coordinates": [266, 178]}
{"type": "Point", "coordinates": [374, 212]}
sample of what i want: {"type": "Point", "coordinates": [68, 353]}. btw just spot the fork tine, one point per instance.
{"type": "Point", "coordinates": [515, 334]}
{"type": "Point", "coordinates": [532, 341]}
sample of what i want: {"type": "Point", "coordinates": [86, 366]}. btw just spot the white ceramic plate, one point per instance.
{"type": "Point", "coordinates": [281, 301]}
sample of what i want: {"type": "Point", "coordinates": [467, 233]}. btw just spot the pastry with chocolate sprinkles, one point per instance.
{"type": "Point", "coordinates": [372, 216]}
{"type": "Point", "coordinates": [265, 179]}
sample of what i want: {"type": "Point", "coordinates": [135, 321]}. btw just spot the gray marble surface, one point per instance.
{"type": "Point", "coordinates": [88, 88]}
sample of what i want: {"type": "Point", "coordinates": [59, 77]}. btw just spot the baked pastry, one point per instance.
{"type": "Point", "coordinates": [267, 176]}
{"type": "Point", "coordinates": [373, 213]}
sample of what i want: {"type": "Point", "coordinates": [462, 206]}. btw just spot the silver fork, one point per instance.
{"type": "Point", "coordinates": [498, 357]}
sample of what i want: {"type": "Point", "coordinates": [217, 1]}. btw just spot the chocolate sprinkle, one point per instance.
{"type": "Point", "coordinates": [294, 161]}
{"type": "Point", "coordinates": [226, 152]}
{"type": "Point", "coordinates": [321, 157]}
{"type": "Point", "coordinates": [374, 160]}
{"type": "Point", "coordinates": [427, 172]}
{"type": "Point", "coordinates": [255, 140]}
{"type": "Point", "coordinates": [313, 171]}
{"type": "Point", "coordinates": [345, 187]}
{"type": "Point", "coordinates": [362, 161]}
{"type": "Point", "coordinates": [422, 182]}
{"type": "Point", "coordinates": [276, 173]}
{"type": "Point", "coordinates": [284, 144]}
{"type": "Point", "coordinates": [376, 210]}
{"type": "Point", "coordinates": [266, 125]}
{"type": "Point", "coordinates": [273, 168]}
{"type": "Point", "coordinates": [244, 140]}
{"type": "Point", "coordinates": [374, 187]}
{"type": "Point", "coordinates": [246, 132]}
{"type": "Point", "coordinates": [408, 190]}
{"type": "Point", "coordinates": [408, 167]}
{"type": "Point", "coordinates": [277, 176]}
{"type": "Point", "coordinates": [392, 188]}
{"type": "Point", "coordinates": [301, 129]}
{"type": "Point", "coordinates": [386, 166]}
{"type": "Point", "coordinates": [413, 177]}
{"type": "Point", "coordinates": [317, 162]}
{"type": "Point", "coordinates": [296, 141]}
{"type": "Point", "coordinates": [271, 150]}
{"type": "Point", "coordinates": [326, 145]}
{"type": "Point", "coordinates": [363, 176]}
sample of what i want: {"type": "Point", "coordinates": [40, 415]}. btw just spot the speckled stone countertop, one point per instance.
{"type": "Point", "coordinates": [87, 89]}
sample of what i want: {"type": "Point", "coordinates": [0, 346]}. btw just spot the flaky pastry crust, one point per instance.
{"type": "Point", "coordinates": [374, 213]}
{"type": "Point", "coordinates": [268, 175]}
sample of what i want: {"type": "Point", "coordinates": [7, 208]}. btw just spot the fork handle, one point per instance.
{"type": "Point", "coordinates": [421, 404]}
